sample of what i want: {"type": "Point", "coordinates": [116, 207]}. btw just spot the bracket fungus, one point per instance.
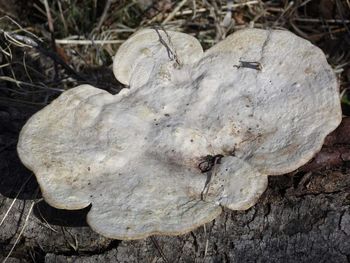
{"type": "Point", "coordinates": [194, 132]}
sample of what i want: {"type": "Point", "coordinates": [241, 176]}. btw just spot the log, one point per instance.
{"type": "Point", "coordinates": [302, 217]}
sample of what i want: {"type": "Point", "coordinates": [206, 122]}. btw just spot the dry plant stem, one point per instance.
{"type": "Point", "coordinates": [200, 10]}
{"type": "Point", "coordinates": [17, 40]}
{"type": "Point", "coordinates": [74, 245]}
{"type": "Point", "coordinates": [18, 83]}
{"type": "Point", "coordinates": [315, 20]}
{"type": "Point", "coordinates": [5, 65]}
{"type": "Point", "coordinates": [88, 42]}
{"type": "Point", "coordinates": [348, 3]}
{"type": "Point", "coordinates": [340, 11]}
{"type": "Point", "coordinates": [51, 28]}
{"type": "Point", "coordinates": [160, 251]}
{"type": "Point", "coordinates": [14, 200]}
{"type": "Point", "coordinates": [49, 17]}
{"type": "Point", "coordinates": [41, 11]}
{"type": "Point", "coordinates": [213, 173]}
{"type": "Point", "coordinates": [283, 13]}
{"type": "Point", "coordinates": [62, 17]}
{"type": "Point", "coordinates": [32, 256]}
{"type": "Point", "coordinates": [20, 27]}
{"type": "Point", "coordinates": [206, 242]}
{"type": "Point", "coordinates": [305, 2]}
{"type": "Point", "coordinates": [104, 15]}
{"type": "Point", "coordinates": [194, 4]}
{"type": "Point", "coordinates": [25, 67]}
{"type": "Point", "coordinates": [299, 31]}
{"type": "Point", "coordinates": [173, 13]}
{"type": "Point", "coordinates": [203, 10]}
{"type": "Point", "coordinates": [214, 12]}
{"type": "Point", "coordinates": [21, 232]}
{"type": "Point", "coordinates": [170, 50]}
{"type": "Point", "coordinates": [29, 42]}
{"type": "Point", "coordinates": [46, 223]}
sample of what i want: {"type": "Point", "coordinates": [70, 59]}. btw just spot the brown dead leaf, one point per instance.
{"type": "Point", "coordinates": [239, 18]}
{"type": "Point", "coordinates": [60, 51]}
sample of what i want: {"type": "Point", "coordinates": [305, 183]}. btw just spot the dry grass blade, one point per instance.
{"type": "Point", "coordinates": [88, 42]}
{"type": "Point", "coordinates": [73, 241]}
{"type": "Point", "coordinates": [49, 17]}
{"type": "Point", "coordinates": [160, 251]}
{"type": "Point", "coordinates": [47, 224]}
{"type": "Point", "coordinates": [169, 47]}
{"type": "Point", "coordinates": [206, 242]}
{"type": "Point", "coordinates": [224, 8]}
{"type": "Point", "coordinates": [15, 199]}
{"type": "Point", "coordinates": [104, 15]}
{"type": "Point", "coordinates": [18, 82]}
{"type": "Point", "coordinates": [62, 16]}
{"type": "Point", "coordinates": [289, 6]}
{"type": "Point", "coordinates": [20, 27]}
{"type": "Point", "coordinates": [21, 232]}
{"type": "Point", "coordinates": [317, 20]}
{"type": "Point", "coordinates": [173, 13]}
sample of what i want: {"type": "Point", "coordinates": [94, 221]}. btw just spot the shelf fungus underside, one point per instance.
{"type": "Point", "coordinates": [194, 131]}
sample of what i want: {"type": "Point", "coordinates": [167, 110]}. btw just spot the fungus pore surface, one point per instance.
{"type": "Point", "coordinates": [194, 132]}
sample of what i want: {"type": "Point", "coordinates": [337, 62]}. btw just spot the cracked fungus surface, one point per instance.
{"type": "Point", "coordinates": [261, 100]}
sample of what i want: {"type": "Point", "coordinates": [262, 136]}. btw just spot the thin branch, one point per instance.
{"type": "Point", "coordinates": [170, 50]}
{"type": "Point", "coordinates": [88, 42]}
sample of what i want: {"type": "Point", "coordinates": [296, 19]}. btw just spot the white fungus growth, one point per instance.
{"type": "Point", "coordinates": [194, 132]}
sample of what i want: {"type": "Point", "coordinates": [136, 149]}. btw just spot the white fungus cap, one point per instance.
{"type": "Point", "coordinates": [258, 103]}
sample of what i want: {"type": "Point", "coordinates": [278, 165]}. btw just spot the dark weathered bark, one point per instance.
{"type": "Point", "coordinates": [302, 217]}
